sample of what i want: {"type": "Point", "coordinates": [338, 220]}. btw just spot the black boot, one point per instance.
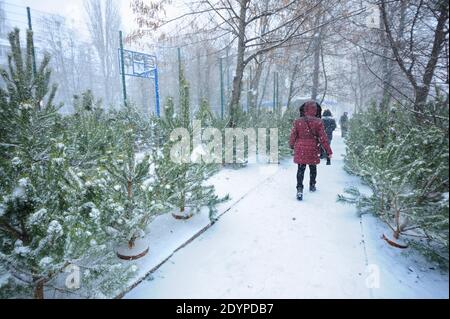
{"type": "Point", "coordinates": [312, 187]}
{"type": "Point", "coordinates": [300, 193]}
{"type": "Point", "coordinates": [328, 161]}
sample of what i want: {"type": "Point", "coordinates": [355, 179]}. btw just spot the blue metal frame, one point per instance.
{"type": "Point", "coordinates": [149, 64]}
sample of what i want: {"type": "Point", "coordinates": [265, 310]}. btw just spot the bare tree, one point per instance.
{"type": "Point", "coordinates": [2, 21]}
{"type": "Point", "coordinates": [104, 23]}
{"type": "Point", "coordinates": [72, 60]}
{"type": "Point", "coordinates": [283, 22]}
{"type": "Point", "coordinates": [317, 56]}
{"type": "Point", "coordinates": [418, 54]}
{"type": "Point", "coordinates": [289, 20]}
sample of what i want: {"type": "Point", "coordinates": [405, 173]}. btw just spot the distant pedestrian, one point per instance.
{"type": "Point", "coordinates": [307, 135]}
{"type": "Point", "coordinates": [343, 122]}
{"type": "Point", "coordinates": [330, 125]}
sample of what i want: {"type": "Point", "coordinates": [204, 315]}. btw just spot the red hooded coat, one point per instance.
{"type": "Point", "coordinates": [308, 133]}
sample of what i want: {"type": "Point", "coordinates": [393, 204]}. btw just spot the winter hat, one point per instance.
{"type": "Point", "coordinates": [318, 112]}
{"type": "Point", "coordinates": [311, 108]}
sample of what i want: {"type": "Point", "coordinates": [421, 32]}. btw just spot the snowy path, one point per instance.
{"type": "Point", "coordinates": [269, 245]}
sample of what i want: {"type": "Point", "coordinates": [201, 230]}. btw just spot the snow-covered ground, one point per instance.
{"type": "Point", "coordinates": [269, 245]}
{"type": "Point", "coordinates": [166, 234]}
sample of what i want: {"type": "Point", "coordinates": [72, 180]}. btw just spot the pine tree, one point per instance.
{"type": "Point", "coordinates": [185, 110]}
{"type": "Point", "coordinates": [49, 216]}
{"type": "Point", "coordinates": [169, 112]}
{"type": "Point", "coordinates": [133, 202]}
{"type": "Point", "coordinates": [285, 126]}
{"type": "Point", "coordinates": [21, 125]}
{"type": "Point", "coordinates": [182, 183]}
{"type": "Point", "coordinates": [86, 102]}
{"type": "Point", "coordinates": [88, 132]}
{"type": "Point", "coordinates": [204, 114]}
{"type": "Point", "coordinates": [406, 168]}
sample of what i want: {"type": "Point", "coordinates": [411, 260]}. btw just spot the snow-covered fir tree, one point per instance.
{"type": "Point", "coordinates": [204, 114]}
{"type": "Point", "coordinates": [406, 167]}
{"type": "Point", "coordinates": [49, 216]}
{"type": "Point", "coordinates": [185, 181]}
{"type": "Point", "coordinates": [132, 184]}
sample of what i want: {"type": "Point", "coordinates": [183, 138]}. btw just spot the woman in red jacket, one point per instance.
{"type": "Point", "coordinates": [308, 133]}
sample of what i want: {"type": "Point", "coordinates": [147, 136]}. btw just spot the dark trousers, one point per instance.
{"type": "Point", "coordinates": [301, 175]}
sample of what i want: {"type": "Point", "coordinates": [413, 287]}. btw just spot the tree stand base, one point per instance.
{"type": "Point", "coordinates": [187, 214]}
{"type": "Point", "coordinates": [139, 250]}
{"type": "Point", "coordinates": [393, 243]}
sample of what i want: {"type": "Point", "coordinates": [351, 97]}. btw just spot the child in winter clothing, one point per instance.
{"type": "Point", "coordinates": [307, 134]}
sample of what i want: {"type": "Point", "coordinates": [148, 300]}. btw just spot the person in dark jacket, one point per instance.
{"type": "Point", "coordinates": [343, 122]}
{"type": "Point", "coordinates": [307, 134]}
{"type": "Point", "coordinates": [330, 125]}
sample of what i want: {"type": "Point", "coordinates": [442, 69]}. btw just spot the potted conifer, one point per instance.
{"type": "Point", "coordinates": [133, 202]}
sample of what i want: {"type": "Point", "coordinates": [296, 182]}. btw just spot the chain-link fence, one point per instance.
{"type": "Point", "coordinates": [81, 60]}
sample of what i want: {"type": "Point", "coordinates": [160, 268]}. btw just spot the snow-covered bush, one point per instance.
{"type": "Point", "coordinates": [406, 166]}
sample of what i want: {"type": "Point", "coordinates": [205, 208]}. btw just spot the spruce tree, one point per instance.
{"type": "Point", "coordinates": [89, 132]}
{"type": "Point", "coordinates": [183, 183]}
{"type": "Point", "coordinates": [406, 167]}
{"type": "Point", "coordinates": [49, 216]}
{"type": "Point", "coordinates": [204, 114]}
{"type": "Point", "coordinates": [133, 200]}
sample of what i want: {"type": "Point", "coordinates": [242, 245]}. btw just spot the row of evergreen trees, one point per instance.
{"type": "Point", "coordinates": [74, 187]}
{"type": "Point", "coordinates": [404, 161]}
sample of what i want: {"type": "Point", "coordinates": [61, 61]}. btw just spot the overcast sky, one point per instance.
{"type": "Point", "coordinates": [72, 10]}
{"type": "Point", "coordinates": [75, 16]}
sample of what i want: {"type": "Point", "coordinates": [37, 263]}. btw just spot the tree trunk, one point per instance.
{"type": "Point", "coordinates": [360, 89]}
{"type": "Point", "coordinates": [254, 88]}
{"type": "Point", "coordinates": [315, 84]}
{"type": "Point", "coordinates": [420, 99]}
{"type": "Point", "coordinates": [199, 79]}
{"type": "Point", "coordinates": [386, 66]}
{"type": "Point", "coordinates": [208, 76]}
{"type": "Point", "coordinates": [316, 71]}
{"type": "Point", "coordinates": [264, 89]}
{"type": "Point", "coordinates": [240, 66]}
{"type": "Point", "coordinates": [439, 39]}
{"type": "Point", "coordinates": [291, 84]}
{"type": "Point", "coordinates": [421, 90]}
{"type": "Point", "coordinates": [130, 189]}
{"type": "Point", "coordinates": [39, 289]}
{"type": "Point", "coordinates": [387, 73]}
